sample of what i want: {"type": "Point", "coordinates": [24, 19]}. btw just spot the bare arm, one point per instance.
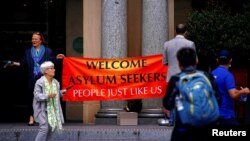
{"type": "Point", "coordinates": [236, 93]}
{"type": "Point", "coordinates": [16, 63]}
{"type": "Point", "coordinates": [11, 63]}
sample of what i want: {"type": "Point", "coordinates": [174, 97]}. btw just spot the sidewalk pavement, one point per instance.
{"type": "Point", "coordinates": [81, 132]}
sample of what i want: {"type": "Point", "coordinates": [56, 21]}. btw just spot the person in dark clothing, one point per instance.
{"type": "Point", "coordinates": [32, 59]}
{"type": "Point", "coordinates": [187, 59]}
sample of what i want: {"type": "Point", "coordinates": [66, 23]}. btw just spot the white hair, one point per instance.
{"type": "Point", "coordinates": [45, 65]}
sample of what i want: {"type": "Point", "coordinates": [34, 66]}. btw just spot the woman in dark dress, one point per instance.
{"type": "Point", "coordinates": [32, 59]}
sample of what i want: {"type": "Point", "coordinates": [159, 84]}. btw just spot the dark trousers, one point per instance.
{"type": "Point", "coordinates": [231, 122]}
{"type": "Point", "coordinates": [30, 96]}
{"type": "Point", "coordinates": [189, 133]}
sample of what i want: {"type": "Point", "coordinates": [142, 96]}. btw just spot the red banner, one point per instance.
{"type": "Point", "coordinates": [114, 79]}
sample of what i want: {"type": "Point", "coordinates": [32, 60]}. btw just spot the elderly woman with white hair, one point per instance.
{"type": "Point", "coordinates": [46, 102]}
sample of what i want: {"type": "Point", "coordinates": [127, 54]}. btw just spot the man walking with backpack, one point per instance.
{"type": "Point", "coordinates": [192, 94]}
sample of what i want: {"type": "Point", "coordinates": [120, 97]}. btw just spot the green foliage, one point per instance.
{"type": "Point", "coordinates": [215, 29]}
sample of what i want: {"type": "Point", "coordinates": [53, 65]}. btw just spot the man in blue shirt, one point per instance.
{"type": "Point", "coordinates": [225, 82]}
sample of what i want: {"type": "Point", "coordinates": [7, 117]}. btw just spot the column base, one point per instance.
{"type": "Point", "coordinates": [146, 117]}
{"type": "Point", "coordinates": [107, 116]}
{"type": "Point", "coordinates": [150, 116]}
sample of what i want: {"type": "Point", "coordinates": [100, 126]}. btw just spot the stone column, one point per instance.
{"type": "Point", "coordinates": [154, 34]}
{"type": "Point", "coordinates": [114, 45]}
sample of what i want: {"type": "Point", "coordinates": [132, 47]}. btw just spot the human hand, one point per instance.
{"type": "Point", "coordinates": [8, 63]}
{"type": "Point", "coordinates": [51, 95]}
{"type": "Point", "coordinates": [60, 56]}
{"type": "Point", "coordinates": [245, 90]}
{"type": "Point", "coordinates": [64, 91]}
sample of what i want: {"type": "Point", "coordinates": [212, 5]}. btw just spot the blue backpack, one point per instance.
{"type": "Point", "coordinates": [196, 104]}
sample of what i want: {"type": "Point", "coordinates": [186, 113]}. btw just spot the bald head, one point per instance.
{"type": "Point", "coordinates": [181, 28]}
